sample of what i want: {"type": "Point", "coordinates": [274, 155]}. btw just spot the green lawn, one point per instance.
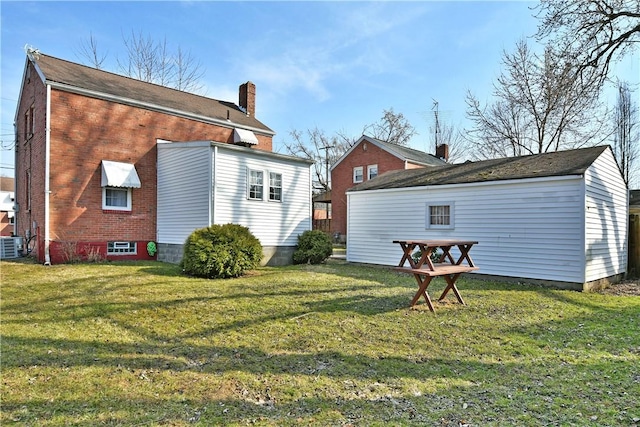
{"type": "Point", "coordinates": [140, 344]}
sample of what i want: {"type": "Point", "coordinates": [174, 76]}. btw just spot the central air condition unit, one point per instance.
{"type": "Point", "coordinates": [10, 247]}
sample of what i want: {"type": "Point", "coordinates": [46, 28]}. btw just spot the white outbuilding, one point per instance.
{"type": "Point", "coordinates": [555, 218]}
{"type": "Point", "coordinates": [202, 183]}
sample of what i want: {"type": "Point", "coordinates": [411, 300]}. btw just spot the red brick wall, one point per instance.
{"type": "Point", "coordinates": [342, 178]}
{"type": "Point", "coordinates": [30, 158]}
{"type": "Point", "coordinates": [85, 131]}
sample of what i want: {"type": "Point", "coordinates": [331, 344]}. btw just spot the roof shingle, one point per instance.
{"type": "Point", "coordinates": [104, 83]}
{"type": "Point", "coordinates": [561, 163]}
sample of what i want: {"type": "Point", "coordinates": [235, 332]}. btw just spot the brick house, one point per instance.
{"type": "Point", "coordinates": [86, 155]}
{"type": "Point", "coordinates": [366, 159]}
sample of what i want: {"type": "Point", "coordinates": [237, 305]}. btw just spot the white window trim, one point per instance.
{"type": "Point", "coordinates": [361, 170]}
{"type": "Point", "coordinates": [369, 168]}
{"type": "Point", "coordinates": [452, 211]}
{"type": "Point", "coordinates": [281, 188]}
{"type": "Point", "coordinates": [116, 208]}
{"type": "Point", "coordinates": [122, 248]}
{"type": "Point", "coordinates": [255, 199]}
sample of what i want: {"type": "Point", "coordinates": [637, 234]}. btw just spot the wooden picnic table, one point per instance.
{"type": "Point", "coordinates": [425, 268]}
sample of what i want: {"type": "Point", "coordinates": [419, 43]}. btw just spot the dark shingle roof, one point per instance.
{"type": "Point", "coordinates": [561, 163]}
{"type": "Point", "coordinates": [406, 153]}
{"type": "Point", "coordinates": [105, 83]}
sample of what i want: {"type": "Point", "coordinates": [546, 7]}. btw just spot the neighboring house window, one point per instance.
{"type": "Point", "coordinates": [256, 183]}
{"type": "Point", "coordinates": [275, 187]}
{"type": "Point", "coordinates": [372, 171]}
{"type": "Point", "coordinates": [357, 174]}
{"type": "Point", "coordinates": [118, 199]}
{"type": "Point", "coordinates": [440, 215]}
{"type": "Point", "coordinates": [116, 248]}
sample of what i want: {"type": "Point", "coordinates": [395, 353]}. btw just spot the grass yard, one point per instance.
{"type": "Point", "coordinates": [329, 345]}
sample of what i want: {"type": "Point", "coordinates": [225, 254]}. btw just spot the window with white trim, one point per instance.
{"type": "Point", "coordinates": [116, 198]}
{"type": "Point", "coordinates": [440, 215]}
{"type": "Point", "coordinates": [358, 174]}
{"type": "Point", "coordinates": [121, 248]}
{"type": "Point", "coordinates": [372, 171]}
{"type": "Point", "coordinates": [275, 187]}
{"type": "Point", "coordinates": [256, 185]}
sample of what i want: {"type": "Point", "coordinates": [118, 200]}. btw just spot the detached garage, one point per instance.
{"type": "Point", "coordinates": [556, 218]}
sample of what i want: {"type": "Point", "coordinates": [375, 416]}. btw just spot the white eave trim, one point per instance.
{"type": "Point", "coordinates": [154, 107]}
{"type": "Point", "coordinates": [117, 174]}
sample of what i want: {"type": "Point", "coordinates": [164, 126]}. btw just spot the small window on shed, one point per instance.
{"type": "Point", "coordinates": [440, 215]}
{"type": "Point", "coordinates": [275, 187]}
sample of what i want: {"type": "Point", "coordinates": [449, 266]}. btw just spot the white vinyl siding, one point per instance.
{"type": "Point", "coordinates": [275, 224]}
{"type": "Point", "coordinates": [200, 184]}
{"type": "Point", "coordinates": [528, 228]}
{"type": "Point", "coordinates": [606, 219]}
{"type": "Point", "coordinates": [184, 191]}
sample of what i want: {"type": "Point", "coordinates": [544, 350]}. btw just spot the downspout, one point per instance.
{"type": "Point", "coordinates": [213, 171]}
{"type": "Point", "coordinates": [47, 188]}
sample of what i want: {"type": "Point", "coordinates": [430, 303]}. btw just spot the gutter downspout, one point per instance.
{"type": "Point", "coordinates": [213, 175]}
{"type": "Point", "coordinates": [47, 188]}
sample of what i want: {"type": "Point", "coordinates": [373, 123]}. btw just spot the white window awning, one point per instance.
{"type": "Point", "coordinates": [117, 174]}
{"type": "Point", "coordinates": [244, 136]}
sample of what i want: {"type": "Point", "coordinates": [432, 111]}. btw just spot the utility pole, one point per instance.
{"type": "Point", "coordinates": [326, 157]}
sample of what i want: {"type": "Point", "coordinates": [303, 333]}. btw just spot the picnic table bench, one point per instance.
{"type": "Point", "coordinates": [425, 269]}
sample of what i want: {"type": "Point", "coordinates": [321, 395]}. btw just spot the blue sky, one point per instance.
{"type": "Point", "coordinates": [331, 65]}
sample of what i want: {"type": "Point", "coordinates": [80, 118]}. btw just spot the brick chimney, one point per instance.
{"type": "Point", "coordinates": [247, 98]}
{"type": "Point", "coordinates": [442, 152]}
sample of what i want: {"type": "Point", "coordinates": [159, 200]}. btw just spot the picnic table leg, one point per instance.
{"type": "Point", "coordinates": [422, 291]}
{"type": "Point", "coordinates": [451, 285]}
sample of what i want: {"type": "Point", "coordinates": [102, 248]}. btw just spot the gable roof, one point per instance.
{"type": "Point", "coordinates": [403, 153]}
{"type": "Point", "coordinates": [72, 77]}
{"type": "Point", "coordinates": [560, 163]}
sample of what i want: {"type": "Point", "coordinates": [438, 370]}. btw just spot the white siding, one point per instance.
{"type": "Point", "coordinates": [606, 219]}
{"type": "Point", "coordinates": [526, 228]}
{"type": "Point", "coordinates": [274, 223]}
{"type": "Point", "coordinates": [184, 184]}
{"type": "Point", "coordinates": [200, 184]}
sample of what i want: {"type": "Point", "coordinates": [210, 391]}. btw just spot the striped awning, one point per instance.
{"type": "Point", "coordinates": [244, 136]}
{"type": "Point", "coordinates": [117, 174]}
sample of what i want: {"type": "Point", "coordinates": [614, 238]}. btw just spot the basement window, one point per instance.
{"type": "Point", "coordinates": [119, 248]}
{"type": "Point", "coordinates": [440, 216]}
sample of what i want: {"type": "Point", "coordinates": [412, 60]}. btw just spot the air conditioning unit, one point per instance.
{"type": "Point", "coordinates": [11, 247]}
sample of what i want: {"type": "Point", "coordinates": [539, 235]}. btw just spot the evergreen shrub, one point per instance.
{"type": "Point", "coordinates": [314, 246]}
{"type": "Point", "coordinates": [221, 251]}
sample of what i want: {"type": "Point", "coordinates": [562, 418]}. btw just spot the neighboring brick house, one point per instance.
{"type": "Point", "coordinates": [86, 154]}
{"type": "Point", "coordinates": [366, 159]}
{"type": "Point", "coordinates": [7, 215]}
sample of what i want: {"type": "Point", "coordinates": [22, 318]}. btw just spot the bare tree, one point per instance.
{"type": "Point", "coordinates": [392, 127]}
{"type": "Point", "coordinates": [598, 31]}
{"type": "Point", "coordinates": [89, 50]}
{"type": "Point", "coordinates": [540, 105]}
{"type": "Point", "coordinates": [322, 149]}
{"type": "Point", "coordinates": [151, 61]}
{"type": "Point", "coordinates": [626, 140]}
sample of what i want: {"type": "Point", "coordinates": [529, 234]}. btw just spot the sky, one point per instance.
{"type": "Point", "coordinates": [335, 66]}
